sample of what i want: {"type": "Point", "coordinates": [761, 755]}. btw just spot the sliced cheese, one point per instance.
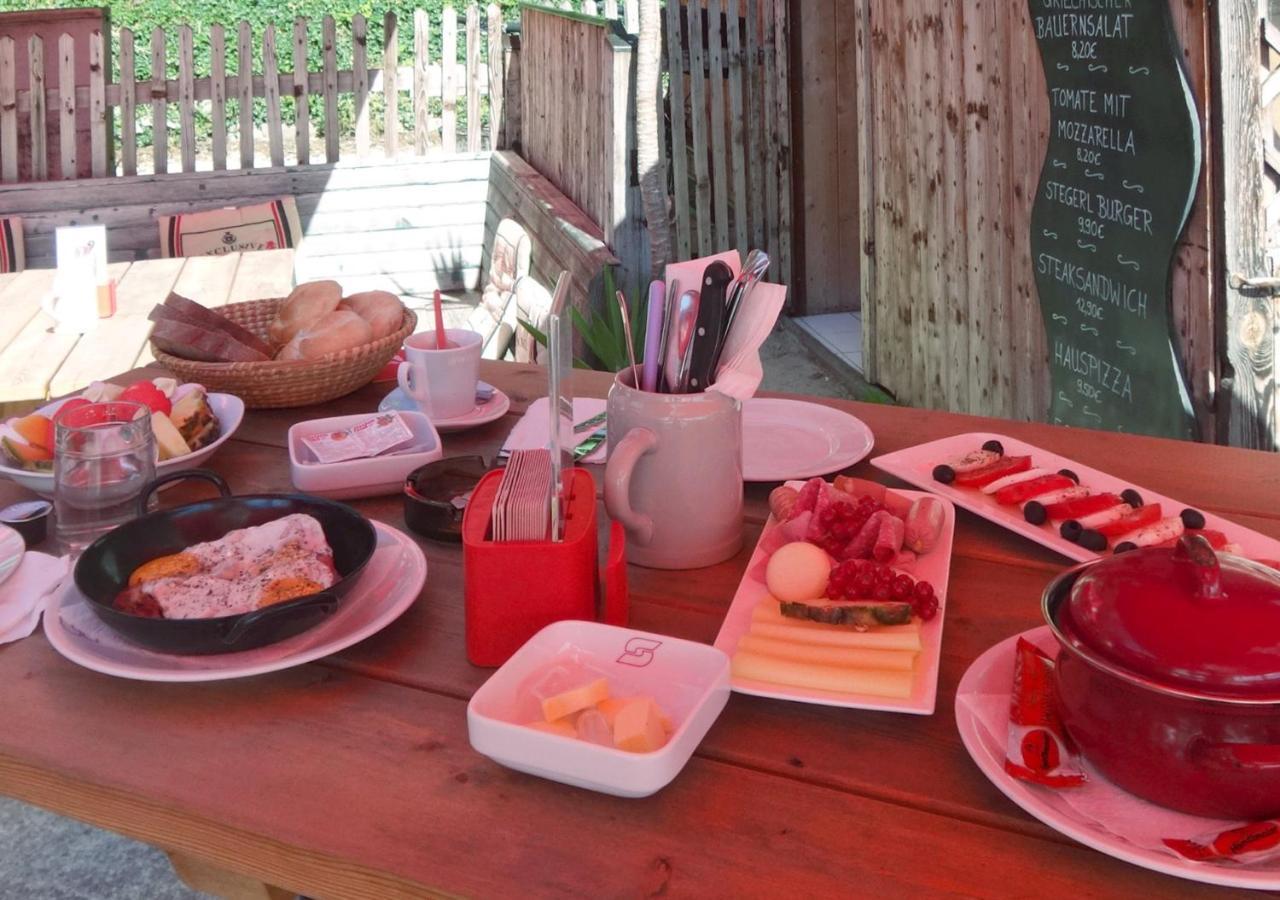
{"type": "Point", "coordinates": [575, 700]}
{"type": "Point", "coordinates": [884, 638]}
{"type": "Point", "coordinates": [845, 657]}
{"type": "Point", "coordinates": [564, 727]}
{"type": "Point", "coordinates": [168, 439]}
{"type": "Point", "coordinates": [637, 727]}
{"type": "Point", "coordinates": [778, 670]}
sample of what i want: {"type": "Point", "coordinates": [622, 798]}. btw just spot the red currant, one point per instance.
{"type": "Point", "coordinates": [901, 587]}
{"type": "Point", "coordinates": [923, 590]}
{"type": "Point", "coordinates": [883, 591]}
{"type": "Point", "coordinates": [925, 607]}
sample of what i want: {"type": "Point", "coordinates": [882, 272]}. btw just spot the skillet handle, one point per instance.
{"type": "Point", "coordinates": [144, 499]}
{"type": "Point", "coordinates": [323, 603]}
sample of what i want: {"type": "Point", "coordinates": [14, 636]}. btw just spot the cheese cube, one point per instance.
{"type": "Point", "coordinates": [637, 727]}
{"type": "Point", "coordinates": [573, 701]}
{"type": "Point", "coordinates": [564, 727]}
{"type": "Point", "coordinates": [609, 709]}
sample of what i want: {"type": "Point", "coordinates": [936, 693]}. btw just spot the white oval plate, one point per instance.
{"type": "Point", "coordinates": [387, 588]}
{"type": "Point", "coordinates": [485, 412]}
{"type": "Point", "coordinates": [991, 676]}
{"type": "Point", "coordinates": [228, 408]}
{"type": "Point", "coordinates": [784, 440]}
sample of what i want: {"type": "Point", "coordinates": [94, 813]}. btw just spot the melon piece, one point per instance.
{"type": "Point", "coordinates": [576, 700]}
{"type": "Point", "coordinates": [798, 571]}
{"type": "Point", "coordinates": [27, 456]}
{"type": "Point", "coordinates": [168, 439]}
{"type": "Point", "coordinates": [637, 728]}
{"type": "Point", "coordinates": [35, 429]}
{"type": "Point", "coordinates": [564, 727]}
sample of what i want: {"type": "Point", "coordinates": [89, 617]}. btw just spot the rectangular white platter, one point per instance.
{"type": "Point", "coordinates": [915, 465]}
{"type": "Point", "coordinates": [934, 567]}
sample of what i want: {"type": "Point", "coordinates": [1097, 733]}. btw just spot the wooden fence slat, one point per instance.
{"type": "Point", "coordinates": [719, 148]}
{"type": "Point", "coordinates": [217, 93]}
{"type": "Point", "coordinates": [67, 105]}
{"type": "Point", "coordinates": [679, 143]}
{"type": "Point", "coordinates": [610, 9]}
{"type": "Point", "coordinates": [39, 118]}
{"type": "Point", "coordinates": [301, 103]}
{"type": "Point", "coordinates": [99, 136]}
{"type": "Point", "coordinates": [159, 119]}
{"type": "Point", "coordinates": [955, 243]}
{"type": "Point", "coordinates": [496, 80]}
{"type": "Point", "coordinates": [391, 94]}
{"type": "Point", "coordinates": [244, 94]}
{"type": "Point", "coordinates": [977, 149]}
{"type": "Point", "coordinates": [590, 8]}
{"type": "Point", "coordinates": [769, 124]}
{"type": "Point", "coordinates": [186, 98]}
{"type": "Point", "coordinates": [698, 117]}
{"type": "Point", "coordinates": [475, 122]}
{"type": "Point", "coordinates": [421, 47]}
{"type": "Point", "coordinates": [756, 115]}
{"type": "Point", "coordinates": [863, 114]}
{"type": "Point", "coordinates": [271, 77]}
{"type": "Point", "coordinates": [782, 37]}
{"type": "Point", "coordinates": [331, 134]}
{"type": "Point", "coordinates": [631, 16]}
{"type": "Point", "coordinates": [738, 131]}
{"type": "Point", "coordinates": [449, 79]}
{"type": "Point", "coordinates": [360, 75]}
{"type": "Point", "coordinates": [8, 110]}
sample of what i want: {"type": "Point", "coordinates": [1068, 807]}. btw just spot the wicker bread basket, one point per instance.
{"type": "Point", "coordinates": [275, 384]}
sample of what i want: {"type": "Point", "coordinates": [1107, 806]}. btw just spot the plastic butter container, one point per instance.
{"type": "Point", "coordinates": [373, 476]}
{"type": "Point", "coordinates": [687, 680]}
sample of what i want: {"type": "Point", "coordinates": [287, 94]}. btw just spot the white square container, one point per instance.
{"type": "Point", "coordinates": [373, 477]}
{"type": "Point", "coordinates": [689, 681]}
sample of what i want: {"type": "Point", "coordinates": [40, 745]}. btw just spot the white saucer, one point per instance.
{"type": "Point", "coordinates": [785, 440]}
{"type": "Point", "coordinates": [484, 412]}
{"type": "Point", "coordinates": [387, 588]}
{"type": "Point", "coordinates": [991, 676]}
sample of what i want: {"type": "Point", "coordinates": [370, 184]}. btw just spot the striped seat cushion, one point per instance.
{"type": "Point", "coordinates": [263, 226]}
{"type": "Point", "coordinates": [12, 258]}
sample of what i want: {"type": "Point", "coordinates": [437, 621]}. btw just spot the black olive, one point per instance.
{"type": "Point", "coordinates": [994, 447]}
{"type": "Point", "coordinates": [1071, 530]}
{"type": "Point", "coordinates": [944, 473]}
{"type": "Point", "coordinates": [1093, 540]}
{"type": "Point", "coordinates": [1072, 475]}
{"type": "Point", "coordinates": [1132, 497]}
{"type": "Point", "coordinates": [1193, 518]}
{"type": "Point", "coordinates": [1034, 512]}
{"type": "Point", "coordinates": [1125, 547]}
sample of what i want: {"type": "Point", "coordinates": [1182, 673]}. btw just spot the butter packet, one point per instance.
{"type": "Point", "coordinates": [371, 437]}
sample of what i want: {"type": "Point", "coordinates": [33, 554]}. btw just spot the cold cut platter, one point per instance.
{"type": "Point", "coordinates": [1078, 511]}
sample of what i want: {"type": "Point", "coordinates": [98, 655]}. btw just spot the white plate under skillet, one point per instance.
{"type": "Point", "coordinates": [791, 439]}
{"type": "Point", "coordinates": [990, 676]}
{"type": "Point", "coordinates": [482, 413]}
{"type": "Point", "coordinates": [915, 465]}
{"type": "Point", "coordinates": [388, 587]}
{"type": "Point", "coordinates": [934, 567]}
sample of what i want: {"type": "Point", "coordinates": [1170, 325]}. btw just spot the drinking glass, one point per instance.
{"type": "Point", "coordinates": [104, 454]}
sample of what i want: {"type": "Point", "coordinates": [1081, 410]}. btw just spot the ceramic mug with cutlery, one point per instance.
{"type": "Point", "coordinates": [674, 477]}
{"type": "Point", "coordinates": [442, 381]}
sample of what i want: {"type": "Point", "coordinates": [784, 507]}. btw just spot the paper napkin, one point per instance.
{"type": "Point", "coordinates": [533, 431]}
{"type": "Point", "coordinates": [25, 593]}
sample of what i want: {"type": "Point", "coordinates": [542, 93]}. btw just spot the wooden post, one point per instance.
{"type": "Point", "coordinates": [679, 140]}
{"type": "Point", "coordinates": [497, 124]}
{"type": "Point", "coordinates": [421, 47]}
{"type": "Point", "coordinates": [1247, 395]}
{"type": "Point", "coordinates": [331, 135]}
{"type": "Point", "coordinates": [159, 91]}
{"type": "Point", "coordinates": [186, 99]}
{"type": "Point", "coordinates": [449, 79]}
{"type": "Point", "coordinates": [475, 122]}
{"type": "Point", "coordinates": [390, 89]}
{"type": "Point", "coordinates": [39, 120]}
{"type": "Point", "coordinates": [66, 104]}
{"type": "Point", "coordinates": [217, 93]}
{"type": "Point", "coordinates": [244, 93]}
{"type": "Point", "coordinates": [513, 100]}
{"type": "Point", "coordinates": [8, 110]}
{"type": "Point", "coordinates": [301, 103]}
{"type": "Point", "coordinates": [271, 87]}
{"type": "Point", "coordinates": [360, 81]}
{"type": "Point", "coordinates": [99, 136]}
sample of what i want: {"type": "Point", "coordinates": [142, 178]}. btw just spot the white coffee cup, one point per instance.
{"type": "Point", "coordinates": [442, 382]}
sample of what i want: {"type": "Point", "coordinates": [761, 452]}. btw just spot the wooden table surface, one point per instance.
{"type": "Point", "coordinates": [353, 776]}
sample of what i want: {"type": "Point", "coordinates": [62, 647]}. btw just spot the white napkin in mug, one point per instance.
{"type": "Point", "coordinates": [25, 593]}
{"type": "Point", "coordinates": [533, 431]}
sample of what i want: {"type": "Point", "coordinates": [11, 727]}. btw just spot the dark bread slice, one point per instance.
{"type": "Point", "coordinates": [193, 312]}
{"type": "Point", "coordinates": [186, 341]}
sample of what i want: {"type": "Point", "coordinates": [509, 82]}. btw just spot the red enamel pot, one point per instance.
{"type": "Point", "coordinates": [1168, 678]}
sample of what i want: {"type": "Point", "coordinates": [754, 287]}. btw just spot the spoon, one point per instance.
{"type": "Point", "coordinates": [686, 322]}
{"type": "Point", "coordinates": [631, 343]}
{"type": "Point", "coordinates": [752, 271]}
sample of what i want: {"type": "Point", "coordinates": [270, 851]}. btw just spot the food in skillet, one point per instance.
{"type": "Point", "coordinates": [244, 570]}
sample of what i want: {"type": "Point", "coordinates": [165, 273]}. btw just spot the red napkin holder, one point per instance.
{"type": "Point", "coordinates": [514, 589]}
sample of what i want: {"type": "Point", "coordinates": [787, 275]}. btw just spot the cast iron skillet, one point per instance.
{"type": "Point", "coordinates": [103, 569]}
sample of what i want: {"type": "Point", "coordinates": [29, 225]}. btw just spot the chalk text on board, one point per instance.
{"type": "Point", "coordinates": [1103, 288]}
{"type": "Point", "coordinates": [1094, 368]}
{"type": "Point", "coordinates": [1100, 206]}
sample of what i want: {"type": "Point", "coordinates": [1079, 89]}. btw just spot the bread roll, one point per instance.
{"type": "Point", "coordinates": [305, 307]}
{"type": "Point", "coordinates": [339, 330]}
{"type": "Point", "coordinates": [382, 310]}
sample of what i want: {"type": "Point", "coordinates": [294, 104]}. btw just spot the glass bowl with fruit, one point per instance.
{"type": "Point", "coordinates": [190, 425]}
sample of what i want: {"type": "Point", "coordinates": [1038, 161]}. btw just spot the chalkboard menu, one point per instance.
{"type": "Point", "coordinates": [1115, 193]}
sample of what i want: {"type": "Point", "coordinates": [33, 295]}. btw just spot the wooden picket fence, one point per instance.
{"type": "Point", "coordinates": [461, 80]}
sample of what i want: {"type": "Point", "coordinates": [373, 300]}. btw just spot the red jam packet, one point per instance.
{"type": "Point", "coordinates": [1038, 750]}
{"type": "Point", "coordinates": [1251, 843]}
{"type": "Point", "coordinates": [371, 437]}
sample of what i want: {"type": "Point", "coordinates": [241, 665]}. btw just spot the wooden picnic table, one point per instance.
{"type": "Point", "coordinates": [353, 776]}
